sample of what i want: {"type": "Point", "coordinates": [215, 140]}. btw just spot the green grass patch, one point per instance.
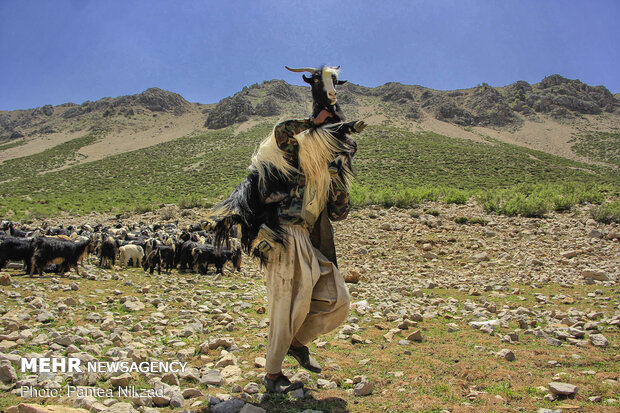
{"type": "Point", "coordinates": [598, 146]}
{"type": "Point", "coordinates": [536, 200]}
{"type": "Point", "coordinates": [606, 213]}
{"type": "Point", "coordinates": [13, 144]}
{"type": "Point", "coordinates": [394, 167]}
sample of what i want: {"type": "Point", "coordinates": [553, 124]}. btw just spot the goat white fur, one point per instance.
{"type": "Point", "coordinates": [134, 252]}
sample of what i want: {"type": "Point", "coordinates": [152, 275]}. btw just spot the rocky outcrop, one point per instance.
{"type": "Point", "coordinates": [229, 111]}
{"type": "Point", "coordinates": [159, 100]}
{"type": "Point", "coordinates": [268, 107]}
{"type": "Point", "coordinates": [283, 91]}
{"type": "Point", "coordinates": [560, 97]}
{"type": "Point", "coordinates": [395, 92]}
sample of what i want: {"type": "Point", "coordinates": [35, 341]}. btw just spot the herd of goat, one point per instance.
{"type": "Point", "coordinates": [58, 249]}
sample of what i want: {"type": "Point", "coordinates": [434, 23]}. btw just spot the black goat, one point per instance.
{"type": "Point", "coordinates": [184, 257]}
{"type": "Point", "coordinates": [17, 249]}
{"type": "Point", "coordinates": [67, 254]}
{"type": "Point", "coordinates": [151, 261]}
{"type": "Point", "coordinates": [108, 251]}
{"type": "Point", "coordinates": [205, 255]}
{"type": "Point", "coordinates": [166, 256]}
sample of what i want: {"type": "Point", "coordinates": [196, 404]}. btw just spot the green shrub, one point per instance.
{"type": "Point", "coordinates": [606, 213]}
{"type": "Point", "coordinates": [461, 220]}
{"type": "Point", "coordinates": [479, 221]}
{"type": "Point", "coordinates": [141, 209]}
{"type": "Point", "coordinates": [191, 201]}
{"type": "Point", "coordinates": [456, 196]}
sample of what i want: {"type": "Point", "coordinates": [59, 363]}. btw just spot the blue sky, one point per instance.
{"type": "Point", "coordinates": [76, 50]}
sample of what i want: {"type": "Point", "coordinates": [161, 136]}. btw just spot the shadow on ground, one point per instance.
{"type": "Point", "coordinates": [283, 403]}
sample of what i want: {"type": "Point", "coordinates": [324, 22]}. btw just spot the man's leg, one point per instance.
{"type": "Point", "coordinates": [330, 302]}
{"type": "Point", "coordinates": [290, 276]}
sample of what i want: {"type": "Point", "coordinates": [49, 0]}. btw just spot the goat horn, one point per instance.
{"type": "Point", "coordinates": [302, 69]}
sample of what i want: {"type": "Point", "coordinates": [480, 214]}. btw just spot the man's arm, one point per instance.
{"type": "Point", "coordinates": [338, 203]}
{"type": "Point", "coordinates": [285, 132]}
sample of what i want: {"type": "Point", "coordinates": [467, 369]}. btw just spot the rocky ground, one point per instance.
{"type": "Point", "coordinates": [498, 314]}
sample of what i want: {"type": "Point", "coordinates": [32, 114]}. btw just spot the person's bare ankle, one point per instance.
{"type": "Point", "coordinates": [296, 344]}
{"type": "Point", "coordinates": [273, 376]}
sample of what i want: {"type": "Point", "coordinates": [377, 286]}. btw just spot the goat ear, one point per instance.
{"type": "Point", "coordinates": [307, 79]}
{"type": "Point", "coordinates": [341, 82]}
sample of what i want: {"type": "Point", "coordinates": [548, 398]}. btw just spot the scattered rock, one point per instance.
{"type": "Point", "coordinates": [507, 354]}
{"type": "Point", "coordinates": [599, 340]}
{"type": "Point", "coordinates": [598, 275]}
{"type": "Point", "coordinates": [7, 372]}
{"type": "Point", "coordinates": [363, 388]}
{"type": "Point", "coordinates": [5, 279]}
{"type": "Point", "coordinates": [121, 381]}
{"type": "Point", "coordinates": [562, 389]}
{"type": "Point", "coordinates": [232, 405]}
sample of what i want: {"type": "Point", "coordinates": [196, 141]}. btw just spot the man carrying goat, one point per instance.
{"type": "Point", "coordinates": [294, 189]}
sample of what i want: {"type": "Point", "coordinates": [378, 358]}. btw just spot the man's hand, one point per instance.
{"type": "Point", "coordinates": [322, 116]}
{"type": "Point", "coordinates": [359, 126]}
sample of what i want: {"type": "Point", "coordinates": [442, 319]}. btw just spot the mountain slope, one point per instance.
{"type": "Point", "coordinates": [134, 152]}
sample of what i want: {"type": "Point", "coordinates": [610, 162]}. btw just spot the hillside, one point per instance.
{"type": "Point", "coordinates": [134, 152]}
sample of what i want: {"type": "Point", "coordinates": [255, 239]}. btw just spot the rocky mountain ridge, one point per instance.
{"type": "Point", "coordinates": [482, 105]}
{"type": "Point", "coordinates": [50, 119]}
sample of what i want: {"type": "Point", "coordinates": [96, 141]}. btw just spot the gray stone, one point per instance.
{"type": "Point", "coordinates": [233, 405]}
{"type": "Point", "coordinates": [297, 394]}
{"type": "Point", "coordinates": [44, 317]}
{"type": "Point", "coordinates": [483, 256]}
{"type": "Point", "coordinates": [190, 374]}
{"type": "Point", "coordinates": [161, 401]}
{"type": "Point", "coordinates": [595, 233]}
{"type": "Point", "coordinates": [506, 354]}
{"type": "Point", "coordinates": [249, 408]}
{"type": "Point", "coordinates": [325, 384]}
{"type": "Point", "coordinates": [595, 274]}
{"type": "Point", "coordinates": [7, 372]}
{"type": "Point", "coordinates": [121, 408]}
{"type": "Point", "coordinates": [121, 381]}
{"type": "Point", "coordinates": [363, 388]}
{"type": "Point", "coordinates": [176, 399]}
{"type": "Point", "coordinates": [251, 388]}
{"type": "Point", "coordinates": [302, 376]}
{"type": "Point", "coordinates": [133, 305]}
{"type": "Point", "coordinates": [562, 389]}
{"type": "Point", "coordinates": [191, 393]}
{"type": "Point", "coordinates": [260, 362]}
{"type": "Point", "coordinates": [231, 374]}
{"type": "Point", "coordinates": [213, 378]}
{"type": "Point", "coordinates": [599, 340]}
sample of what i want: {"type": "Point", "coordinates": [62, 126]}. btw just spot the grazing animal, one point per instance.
{"type": "Point", "coordinates": [151, 261]}
{"type": "Point", "coordinates": [17, 232]}
{"type": "Point", "coordinates": [64, 253]}
{"type": "Point", "coordinates": [184, 258]}
{"type": "Point", "coordinates": [166, 256]}
{"type": "Point", "coordinates": [205, 255]}
{"type": "Point", "coordinates": [107, 254]}
{"type": "Point", "coordinates": [254, 204]}
{"type": "Point", "coordinates": [17, 249]}
{"type": "Point", "coordinates": [130, 252]}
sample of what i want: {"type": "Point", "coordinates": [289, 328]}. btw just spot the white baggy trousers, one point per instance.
{"type": "Point", "coordinates": [306, 293]}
